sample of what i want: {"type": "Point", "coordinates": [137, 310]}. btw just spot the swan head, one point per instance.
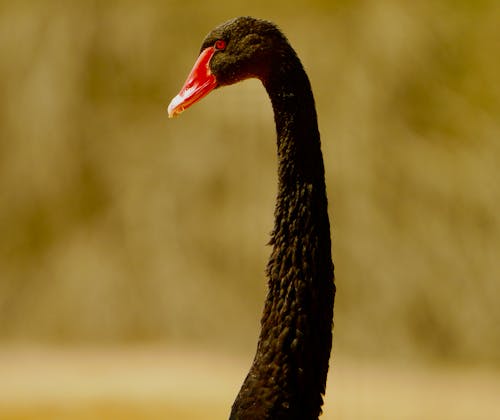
{"type": "Point", "coordinates": [239, 49]}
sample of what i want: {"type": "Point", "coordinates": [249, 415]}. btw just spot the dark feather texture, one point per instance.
{"type": "Point", "coordinates": [288, 376]}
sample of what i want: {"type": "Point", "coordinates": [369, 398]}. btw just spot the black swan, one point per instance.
{"type": "Point", "coordinates": [288, 375]}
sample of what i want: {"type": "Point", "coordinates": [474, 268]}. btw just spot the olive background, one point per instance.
{"type": "Point", "coordinates": [122, 228]}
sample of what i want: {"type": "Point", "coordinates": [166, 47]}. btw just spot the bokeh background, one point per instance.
{"type": "Point", "coordinates": [132, 247]}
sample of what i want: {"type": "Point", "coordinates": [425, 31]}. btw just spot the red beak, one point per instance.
{"type": "Point", "coordinates": [199, 84]}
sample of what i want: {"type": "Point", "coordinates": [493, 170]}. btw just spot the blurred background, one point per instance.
{"type": "Point", "coordinates": [132, 247]}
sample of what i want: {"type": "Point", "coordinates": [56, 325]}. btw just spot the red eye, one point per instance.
{"type": "Point", "coordinates": [220, 44]}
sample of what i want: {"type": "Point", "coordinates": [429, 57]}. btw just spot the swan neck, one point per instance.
{"type": "Point", "coordinates": [288, 375]}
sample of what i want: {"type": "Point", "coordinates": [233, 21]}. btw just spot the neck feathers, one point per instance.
{"type": "Point", "coordinates": [288, 375]}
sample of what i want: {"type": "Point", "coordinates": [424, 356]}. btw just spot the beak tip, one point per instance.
{"type": "Point", "coordinates": [175, 107]}
{"type": "Point", "coordinates": [171, 112]}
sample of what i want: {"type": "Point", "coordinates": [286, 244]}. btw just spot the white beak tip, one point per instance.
{"type": "Point", "coordinates": [175, 107]}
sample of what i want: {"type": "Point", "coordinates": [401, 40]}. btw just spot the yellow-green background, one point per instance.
{"type": "Point", "coordinates": [130, 241]}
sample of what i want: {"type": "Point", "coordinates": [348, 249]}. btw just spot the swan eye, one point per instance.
{"type": "Point", "coordinates": [220, 44]}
